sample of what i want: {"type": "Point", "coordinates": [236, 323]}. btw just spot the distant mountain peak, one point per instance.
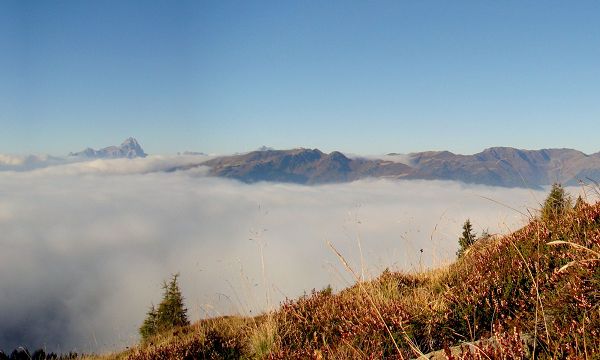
{"type": "Point", "coordinates": [130, 141]}
{"type": "Point", "coordinates": [132, 148]}
{"type": "Point", "coordinates": [129, 148]}
{"type": "Point", "coordinates": [338, 156]}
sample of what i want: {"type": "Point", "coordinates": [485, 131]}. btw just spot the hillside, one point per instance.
{"type": "Point", "coordinates": [302, 166]}
{"type": "Point", "coordinates": [499, 166]}
{"type": "Point", "coordinates": [533, 292]}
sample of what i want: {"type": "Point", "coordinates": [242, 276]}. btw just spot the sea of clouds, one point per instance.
{"type": "Point", "coordinates": [84, 246]}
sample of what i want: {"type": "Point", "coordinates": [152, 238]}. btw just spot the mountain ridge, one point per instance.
{"type": "Point", "coordinates": [497, 166]}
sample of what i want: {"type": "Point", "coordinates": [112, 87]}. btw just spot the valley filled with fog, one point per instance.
{"type": "Point", "coordinates": [86, 245]}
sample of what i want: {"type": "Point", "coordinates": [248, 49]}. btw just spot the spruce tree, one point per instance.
{"type": "Point", "coordinates": [556, 204]}
{"type": "Point", "coordinates": [171, 311]}
{"type": "Point", "coordinates": [467, 239]}
{"type": "Point", "coordinates": [149, 327]}
{"type": "Point", "coordinates": [579, 203]}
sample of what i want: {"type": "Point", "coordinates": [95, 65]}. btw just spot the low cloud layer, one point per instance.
{"type": "Point", "coordinates": [28, 162]}
{"type": "Point", "coordinates": [73, 165]}
{"type": "Point", "coordinates": [393, 157]}
{"type": "Point", "coordinates": [84, 246]}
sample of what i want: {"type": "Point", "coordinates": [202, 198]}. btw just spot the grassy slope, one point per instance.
{"type": "Point", "coordinates": [502, 287]}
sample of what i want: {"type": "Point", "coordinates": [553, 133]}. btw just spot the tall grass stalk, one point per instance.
{"type": "Point", "coordinates": [376, 308]}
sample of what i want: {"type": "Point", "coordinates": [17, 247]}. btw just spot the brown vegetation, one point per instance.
{"type": "Point", "coordinates": [540, 283]}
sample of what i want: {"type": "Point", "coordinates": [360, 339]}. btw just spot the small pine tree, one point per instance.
{"type": "Point", "coordinates": [485, 234]}
{"type": "Point", "coordinates": [149, 327]}
{"type": "Point", "coordinates": [556, 204]}
{"type": "Point", "coordinates": [171, 311]}
{"type": "Point", "coordinates": [467, 239]}
{"type": "Point", "coordinates": [579, 203]}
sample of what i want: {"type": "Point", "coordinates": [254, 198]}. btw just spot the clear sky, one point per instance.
{"type": "Point", "coordinates": [357, 76]}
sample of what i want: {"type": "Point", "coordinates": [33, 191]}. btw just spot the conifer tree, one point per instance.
{"type": "Point", "coordinates": [556, 204]}
{"type": "Point", "coordinates": [467, 239]}
{"type": "Point", "coordinates": [149, 327]}
{"type": "Point", "coordinates": [171, 311]}
{"type": "Point", "coordinates": [579, 203]}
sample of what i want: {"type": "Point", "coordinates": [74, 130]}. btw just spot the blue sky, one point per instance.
{"type": "Point", "coordinates": [364, 77]}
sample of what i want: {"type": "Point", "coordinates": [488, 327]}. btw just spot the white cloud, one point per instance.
{"type": "Point", "coordinates": [27, 162]}
{"type": "Point", "coordinates": [85, 246]}
{"type": "Point", "coordinates": [396, 158]}
{"type": "Point", "coordinates": [11, 160]}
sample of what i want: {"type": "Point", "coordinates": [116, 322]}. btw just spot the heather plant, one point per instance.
{"type": "Point", "coordinates": [217, 338]}
{"type": "Point", "coordinates": [537, 281]}
{"type": "Point", "coordinates": [534, 293]}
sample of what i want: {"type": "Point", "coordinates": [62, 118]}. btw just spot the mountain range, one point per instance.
{"type": "Point", "coordinates": [130, 148]}
{"type": "Point", "coordinates": [497, 166]}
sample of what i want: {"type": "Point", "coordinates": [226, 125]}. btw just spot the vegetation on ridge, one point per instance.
{"type": "Point", "coordinates": [467, 239]}
{"type": "Point", "coordinates": [171, 311]}
{"type": "Point", "coordinates": [541, 283]}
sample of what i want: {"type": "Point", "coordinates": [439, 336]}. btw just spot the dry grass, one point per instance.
{"type": "Point", "coordinates": [541, 282]}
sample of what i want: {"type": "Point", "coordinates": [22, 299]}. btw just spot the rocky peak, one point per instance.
{"type": "Point", "coordinates": [129, 148]}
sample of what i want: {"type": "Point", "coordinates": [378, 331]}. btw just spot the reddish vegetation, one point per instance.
{"type": "Point", "coordinates": [541, 282]}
